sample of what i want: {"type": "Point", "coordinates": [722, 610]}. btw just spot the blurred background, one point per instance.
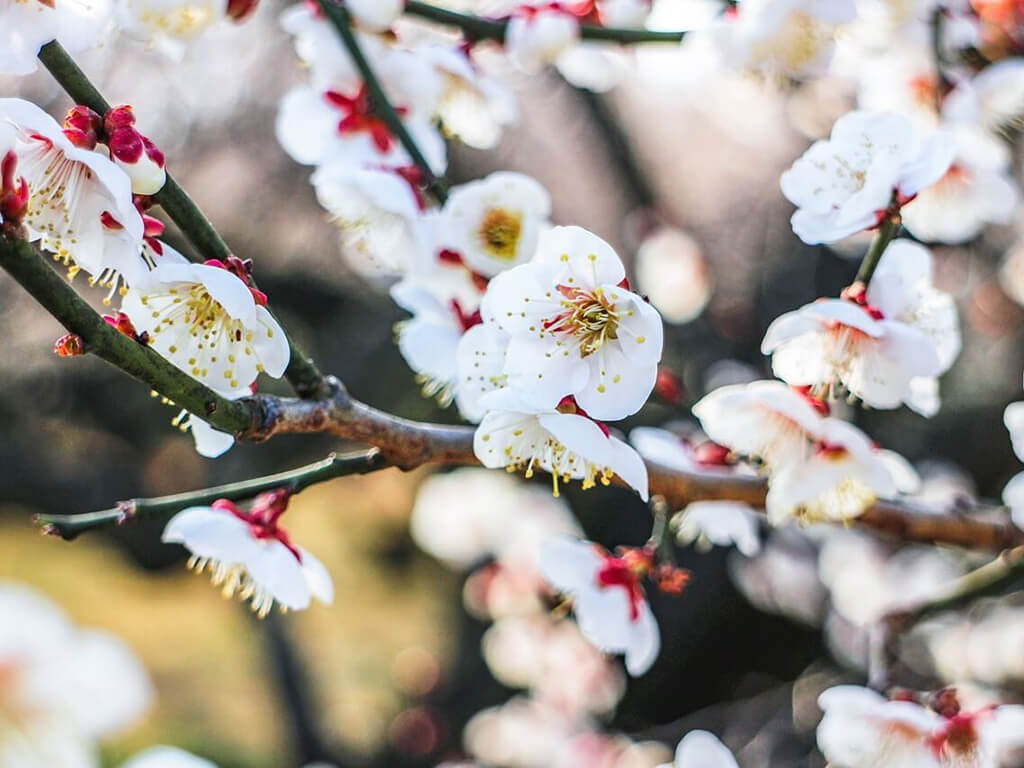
{"type": "Point", "coordinates": [393, 671]}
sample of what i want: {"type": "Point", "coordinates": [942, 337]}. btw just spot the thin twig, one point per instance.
{"type": "Point", "coordinates": [302, 372]}
{"type": "Point", "coordinates": [888, 228]}
{"type": "Point", "coordinates": [480, 28]}
{"type": "Point", "coordinates": [295, 480]}
{"type": "Point", "coordinates": [382, 106]}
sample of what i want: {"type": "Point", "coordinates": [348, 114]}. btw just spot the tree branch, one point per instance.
{"type": "Point", "coordinates": [342, 22]}
{"type": "Point", "coordinates": [295, 480]}
{"type": "Point", "coordinates": [302, 372]}
{"type": "Point", "coordinates": [480, 28]}
{"type": "Point", "coordinates": [888, 229]}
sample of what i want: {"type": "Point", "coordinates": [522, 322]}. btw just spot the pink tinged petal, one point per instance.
{"type": "Point", "coordinates": [274, 567]}
{"type": "Point", "coordinates": [830, 311]}
{"type": "Point", "coordinates": [167, 757]}
{"type": "Point", "coordinates": [644, 643]}
{"type": "Point", "coordinates": [582, 259]}
{"type": "Point", "coordinates": [568, 564]}
{"type": "Point", "coordinates": [640, 329]}
{"type": "Point", "coordinates": [545, 370]}
{"type": "Point", "coordinates": [318, 577]}
{"type": "Point", "coordinates": [270, 343]}
{"type": "Point", "coordinates": [210, 442]}
{"type": "Point", "coordinates": [700, 749]}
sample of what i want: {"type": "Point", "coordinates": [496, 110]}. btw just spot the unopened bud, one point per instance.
{"type": "Point", "coordinates": [669, 387]}
{"type": "Point", "coordinates": [83, 127]}
{"type": "Point", "coordinates": [69, 345]}
{"type": "Point", "coordinates": [134, 153]}
{"type": "Point", "coordinates": [123, 324]}
{"type": "Point", "coordinates": [709, 454]}
{"type": "Point", "coordinates": [240, 10]}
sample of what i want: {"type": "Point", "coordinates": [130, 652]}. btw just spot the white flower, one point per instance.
{"type": "Point", "coordinates": [169, 25]}
{"type": "Point", "coordinates": [210, 323]}
{"type": "Point", "coordinates": [672, 273]}
{"type": "Point", "coordinates": [472, 107]}
{"type": "Point", "coordinates": [721, 523]}
{"type": "Point", "coordinates": [842, 476]}
{"type": "Point", "coordinates": [378, 215]}
{"type": "Point", "coordinates": [72, 191]}
{"type": "Point", "coordinates": [1013, 492]}
{"type": "Point", "coordinates": [63, 687]}
{"type": "Point", "coordinates": [536, 36]}
{"type": "Point", "coordinates": [765, 419]}
{"type": "Point", "coordinates": [624, 13]}
{"type": "Point", "coordinates": [495, 223]}
{"type": "Point", "coordinates": [863, 730]}
{"type": "Point", "coordinates": [27, 25]}
{"type": "Point", "coordinates": [700, 749]}
{"type": "Point", "coordinates": [691, 452]}
{"type": "Point", "coordinates": [480, 368]}
{"type": "Point", "coordinates": [595, 65]}
{"type": "Point", "coordinates": [978, 189]}
{"type": "Point", "coordinates": [608, 599]}
{"type": "Point", "coordinates": [785, 38]}
{"type": "Point", "coordinates": [574, 328]}
{"type": "Point", "coordinates": [872, 161]}
{"type": "Point", "coordinates": [375, 15]}
{"type": "Point", "coordinates": [562, 441]}
{"type": "Point", "coordinates": [249, 554]}
{"type": "Point", "coordinates": [993, 98]}
{"type": "Point", "coordinates": [879, 347]}
{"type": "Point", "coordinates": [167, 757]}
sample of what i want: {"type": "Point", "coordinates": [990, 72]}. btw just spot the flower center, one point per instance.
{"type": "Point", "coordinates": [499, 233]}
{"type": "Point", "coordinates": [181, 22]}
{"type": "Point", "coordinates": [589, 316]}
{"type": "Point", "coordinates": [617, 572]}
{"type": "Point", "coordinates": [360, 117]}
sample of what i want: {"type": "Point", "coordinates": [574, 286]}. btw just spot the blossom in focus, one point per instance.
{"type": "Point", "coordinates": [538, 35]}
{"type": "Point", "coordinates": [672, 274]}
{"type": "Point", "coordinates": [134, 153]}
{"type": "Point", "coordinates": [479, 368]}
{"type": "Point", "coordinates": [978, 189]}
{"type": "Point", "coordinates": [375, 15]}
{"type": "Point", "coordinates": [575, 328]}
{"type": "Point", "coordinates": [861, 729]}
{"type": "Point", "coordinates": [718, 523]}
{"type": "Point", "coordinates": [872, 162]}
{"type": "Point", "coordinates": [495, 223]}
{"type": "Point", "coordinates": [563, 441]}
{"type": "Point", "coordinates": [74, 193]}
{"type": "Point", "coordinates": [882, 345]}
{"type": "Point", "coordinates": [210, 322]}
{"type": "Point", "coordinates": [27, 25]}
{"type": "Point", "coordinates": [248, 554]}
{"type": "Point", "coordinates": [609, 602]}
{"type": "Point", "coordinates": [377, 212]}
{"type": "Point", "coordinates": [701, 749]}
{"type": "Point", "coordinates": [61, 687]}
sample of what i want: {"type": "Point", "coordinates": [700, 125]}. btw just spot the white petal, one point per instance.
{"type": "Point", "coordinates": [318, 577]}
{"type": "Point", "coordinates": [644, 643]}
{"type": "Point", "coordinates": [582, 259]}
{"type": "Point", "coordinates": [569, 564]}
{"type": "Point", "coordinates": [167, 757]}
{"type": "Point", "coordinates": [700, 749]}
{"type": "Point", "coordinates": [210, 442]}
{"type": "Point", "coordinates": [273, 566]}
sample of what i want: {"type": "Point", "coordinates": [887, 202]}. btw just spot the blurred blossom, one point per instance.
{"type": "Point", "coordinates": [672, 274]}
{"type": "Point", "coordinates": [167, 757]}
{"type": "Point", "coordinates": [722, 373]}
{"type": "Point", "coordinates": [987, 645]}
{"type": "Point", "coordinates": [555, 663]}
{"type": "Point", "coordinates": [944, 485]}
{"type": "Point", "coordinates": [61, 687]}
{"type": "Point", "coordinates": [522, 733]}
{"type": "Point", "coordinates": [721, 523]}
{"type": "Point", "coordinates": [783, 577]}
{"type": "Point", "coordinates": [693, 453]}
{"type": "Point", "coordinates": [701, 749]}
{"type": "Point", "coordinates": [1011, 273]}
{"type": "Point", "coordinates": [599, 750]}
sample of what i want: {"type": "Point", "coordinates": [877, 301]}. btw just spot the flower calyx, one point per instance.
{"type": "Point", "coordinates": [14, 194]}
{"type": "Point", "coordinates": [263, 515]}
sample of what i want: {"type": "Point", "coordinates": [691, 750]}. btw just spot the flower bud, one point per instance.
{"type": "Point", "coordinates": [69, 345]}
{"type": "Point", "coordinates": [240, 10]}
{"type": "Point", "coordinates": [135, 154]}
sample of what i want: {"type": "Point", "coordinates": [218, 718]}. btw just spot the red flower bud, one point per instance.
{"type": "Point", "coordinates": [69, 345]}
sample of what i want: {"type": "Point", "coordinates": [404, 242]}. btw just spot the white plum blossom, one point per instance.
{"type": "Point", "coordinates": [672, 273]}
{"type": "Point", "coordinates": [691, 452]}
{"type": "Point", "coordinates": [718, 523]}
{"type": "Point", "coordinates": [28, 25]}
{"type": "Point", "coordinates": [378, 215]}
{"type": "Point", "coordinates": [993, 98]}
{"type": "Point", "coordinates": [861, 729]}
{"type": "Point", "coordinates": [539, 35]}
{"type": "Point", "coordinates": [563, 441]}
{"type": "Point", "coordinates": [80, 204]}
{"type": "Point", "coordinates": [978, 189]}
{"type": "Point", "coordinates": [495, 223]}
{"type": "Point", "coordinates": [210, 322]}
{"type": "Point", "coordinates": [872, 162]}
{"type": "Point", "coordinates": [882, 346]}
{"type": "Point", "coordinates": [701, 749]}
{"type": "Point", "coordinates": [608, 600]}
{"type": "Point", "coordinates": [480, 368]}
{"type": "Point", "coordinates": [375, 15]}
{"type": "Point", "coordinates": [574, 328]}
{"type": "Point", "coordinates": [248, 554]}
{"type": "Point", "coordinates": [170, 25]}
{"type": "Point", "coordinates": [61, 687]}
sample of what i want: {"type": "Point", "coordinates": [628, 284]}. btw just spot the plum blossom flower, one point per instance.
{"type": "Point", "coordinates": [27, 25]}
{"type": "Point", "coordinates": [495, 223]}
{"type": "Point", "coordinates": [993, 98]}
{"type": "Point", "coordinates": [375, 15]}
{"type": "Point", "coordinates": [170, 25]}
{"type": "Point", "coordinates": [672, 273]}
{"type": "Point", "coordinates": [701, 749]}
{"type": "Point", "coordinates": [134, 153]}
{"type": "Point", "coordinates": [873, 162]}
{"type": "Point", "coordinates": [210, 322]}
{"type": "Point", "coordinates": [978, 189]}
{"type": "Point", "coordinates": [539, 35]}
{"type": "Point", "coordinates": [609, 602]}
{"type": "Point", "coordinates": [73, 193]}
{"type": "Point", "coordinates": [882, 345]}
{"type": "Point", "coordinates": [718, 523]}
{"type": "Point", "coordinates": [61, 687]}
{"type": "Point", "coordinates": [861, 729]}
{"type": "Point", "coordinates": [249, 554]}
{"type": "Point", "coordinates": [479, 368]}
{"type": "Point", "coordinates": [564, 441]}
{"type": "Point", "coordinates": [378, 215]}
{"type": "Point", "coordinates": [575, 328]}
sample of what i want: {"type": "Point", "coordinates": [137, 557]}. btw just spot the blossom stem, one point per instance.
{"type": "Point", "coordinates": [888, 228]}
{"type": "Point", "coordinates": [302, 372]}
{"type": "Point", "coordinates": [295, 480]}
{"type": "Point", "coordinates": [382, 106]}
{"type": "Point", "coordinates": [480, 28]}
